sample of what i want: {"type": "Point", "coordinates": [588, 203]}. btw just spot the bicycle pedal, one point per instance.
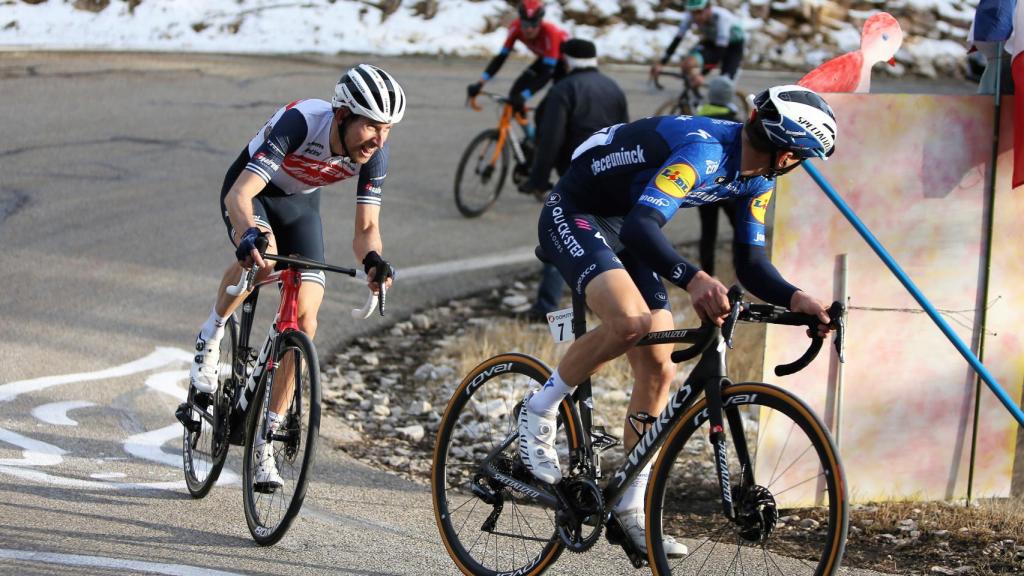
{"type": "Point", "coordinates": [264, 487]}
{"type": "Point", "coordinates": [601, 440]}
{"type": "Point", "coordinates": [184, 415]}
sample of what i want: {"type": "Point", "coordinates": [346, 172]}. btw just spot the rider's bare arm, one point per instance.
{"type": "Point", "coordinates": [239, 201]}
{"type": "Point", "coordinates": [366, 237]}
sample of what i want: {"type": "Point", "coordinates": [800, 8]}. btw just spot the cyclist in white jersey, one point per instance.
{"type": "Point", "coordinates": [273, 190]}
{"type": "Point", "coordinates": [722, 40]}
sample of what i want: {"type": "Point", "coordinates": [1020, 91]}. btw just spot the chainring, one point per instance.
{"type": "Point", "coordinates": [579, 527]}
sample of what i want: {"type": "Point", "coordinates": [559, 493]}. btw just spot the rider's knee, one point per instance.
{"type": "Point", "coordinates": [629, 329]}
{"type": "Point", "coordinates": [307, 323]}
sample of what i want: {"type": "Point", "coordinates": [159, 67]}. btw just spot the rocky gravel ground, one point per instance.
{"type": "Point", "coordinates": [386, 395]}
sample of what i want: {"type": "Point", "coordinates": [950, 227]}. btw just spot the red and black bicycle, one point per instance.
{"type": "Point", "coordinates": [283, 372]}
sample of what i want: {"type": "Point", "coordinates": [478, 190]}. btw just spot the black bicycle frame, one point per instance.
{"type": "Point", "coordinates": [707, 377]}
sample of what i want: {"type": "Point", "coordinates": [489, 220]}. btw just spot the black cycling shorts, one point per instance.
{"type": "Point", "coordinates": [583, 246]}
{"type": "Point", "coordinates": [294, 219]}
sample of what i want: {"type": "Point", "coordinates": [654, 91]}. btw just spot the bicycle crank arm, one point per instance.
{"type": "Point", "coordinates": [531, 491]}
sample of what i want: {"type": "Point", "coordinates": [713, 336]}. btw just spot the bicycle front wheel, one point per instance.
{"type": "Point", "coordinates": [271, 503]}
{"type": "Point", "coordinates": [489, 528]}
{"type": "Point", "coordinates": [786, 484]}
{"type": "Point", "coordinates": [480, 175]}
{"type": "Point", "coordinates": [204, 450]}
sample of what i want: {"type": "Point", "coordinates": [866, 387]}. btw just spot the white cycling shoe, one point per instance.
{"type": "Point", "coordinates": [205, 365]}
{"type": "Point", "coordinates": [267, 478]}
{"type": "Point", "coordinates": [632, 523]}
{"type": "Point", "coordinates": [537, 443]}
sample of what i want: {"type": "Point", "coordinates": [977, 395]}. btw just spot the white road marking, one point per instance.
{"type": "Point", "coordinates": [167, 383]}
{"type": "Point", "coordinates": [112, 563]}
{"type": "Point", "coordinates": [515, 256]}
{"type": "Point", "coordinates": [44, 478]}
{"type": "Point", "coordinates": [160, 357]}
{"type": "Point", "coordinates": [148, 445]}
{"type": "Point", "coordinates": [105, 475]}
{"type": "Point", "coordinates": [35, 452]}
{"type": "Point", "coordinates": [57, 412]}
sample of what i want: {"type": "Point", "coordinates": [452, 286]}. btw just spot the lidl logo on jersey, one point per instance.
{"type": "Point", "coordinates": [621, 158]}
{"type": "Point", "coordinates": [676, 180]}
{"type": "Point", "coordinates": [759, 205]}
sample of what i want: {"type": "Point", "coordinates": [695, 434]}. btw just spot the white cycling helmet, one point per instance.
{"type": "Point", "coordinates": [794, 119]}
{"type": "Point", "coordinates": [371, 92]}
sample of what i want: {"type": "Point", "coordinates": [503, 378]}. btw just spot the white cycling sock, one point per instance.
{"type": "Point", "coordinates": [548, 397]}
{"type": "Point", "coordinates": [274, 420]}
{"type": "Point", "coordinates": [633, 497]}
{"type": "Point", "coordinates": [213, 329]}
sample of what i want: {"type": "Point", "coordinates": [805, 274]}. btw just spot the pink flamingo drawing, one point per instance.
{"type": "Point", "coordinates": [880, 38]}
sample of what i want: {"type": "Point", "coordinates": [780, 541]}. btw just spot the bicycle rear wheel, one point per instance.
{"type": "Point", "coordinates": [789, 493]}
{"type": "Point", "coordinates": [673, 107]}
{"type": "Point", "coordinates": [203, 451]}
{"type": "Point", "coordinates": [478, 180]}
{"type": "Point", "coordinates": [269, 511]}
{"type": "Point", "coordinates": [511, 534]}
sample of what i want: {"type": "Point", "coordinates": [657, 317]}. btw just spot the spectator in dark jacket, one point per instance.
{"type": "Point", "coordinates": [720, 106]}
{"type": "Point", "coordinates": [582, 102]}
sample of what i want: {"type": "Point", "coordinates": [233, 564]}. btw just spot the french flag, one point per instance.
{"type": "Point", "coordinates": [999, 21]}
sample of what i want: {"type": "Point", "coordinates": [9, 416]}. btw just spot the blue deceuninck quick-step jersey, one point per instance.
{"type": "Point", "coordinates": [667, 163]}
{"type": "Point", "coordinates": [645, 171]}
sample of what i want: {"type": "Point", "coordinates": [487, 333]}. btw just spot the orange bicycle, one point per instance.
{"type": "Point", "coordinates": [485, 163]}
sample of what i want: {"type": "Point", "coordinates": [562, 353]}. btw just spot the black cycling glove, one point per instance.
{"type": "Point", "coordinates": [247, 243]}
{"type": "Point", "coordinates": [518, 101]}
{"type": "Point", "coordinates": [473, 89]}
{"type": "Point", "coordinates": [384, 268]}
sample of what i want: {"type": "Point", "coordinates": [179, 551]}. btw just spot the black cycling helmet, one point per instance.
{"type": "Point", "coordinates": [531, 12]}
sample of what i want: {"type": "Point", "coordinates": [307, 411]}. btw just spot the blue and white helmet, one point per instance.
{"type": "Point", "coordinates": [794, 119]}
{"type": "Point", "coordinates": [371, 92]}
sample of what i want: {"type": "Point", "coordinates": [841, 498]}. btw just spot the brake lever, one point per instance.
{"type": "Point", "coordinates": [837, 312]}
{"type": "Point", "coordinates": [735, 306]}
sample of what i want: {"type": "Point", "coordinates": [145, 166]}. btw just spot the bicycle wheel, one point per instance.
{"type": "Point", "coordinates": [673, 107]}
{"type": "Point", "coordinates": [478, 181]}
{"type": "Point", "coordinates": [512, 534]}
{"type": "Point", "coordinates": [789, 495]}
{"type": "Point", "coordinates": [269, 511]}
{"type": "Point", "coordinates": [203, 451]}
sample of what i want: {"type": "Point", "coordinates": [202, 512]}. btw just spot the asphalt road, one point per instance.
{"type": "Point", "coordinates": [112, 247]}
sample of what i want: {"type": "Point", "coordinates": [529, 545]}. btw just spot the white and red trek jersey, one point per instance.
{"type": "Point", "coordinates": [292, 152]}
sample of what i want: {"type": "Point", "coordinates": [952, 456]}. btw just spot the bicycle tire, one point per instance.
{"type": "Point", "coordinates": [672, 107]}
{"type": "Point", "coordinates": [488, 398]}
{"type": "Point", "coordinates": [468, 199]}
{"type": "Point", "coordinates": [805, 459]}
{"type": "Point", "coordinates": [200, 474]}
{"type": "Point", "coordinates": [269, 514]}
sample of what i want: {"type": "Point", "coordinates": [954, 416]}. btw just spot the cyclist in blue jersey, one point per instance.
{"type": "Point", "coordinates": [601, 226]}
{"type": "Point", "coordinates": [273, 190]}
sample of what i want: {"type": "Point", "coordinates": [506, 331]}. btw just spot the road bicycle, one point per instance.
{"type": "Point", "coordinates": [775, 504]}
{"type": "Point", "coordinates": [237, 412]}
{"type": "Point", "coordinates": [485, 163]}
{"type": "Point", "coordinates": [691, 98]}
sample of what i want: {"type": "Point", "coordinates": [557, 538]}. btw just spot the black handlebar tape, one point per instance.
{"type": "Point", "coordinates": [802, 362]}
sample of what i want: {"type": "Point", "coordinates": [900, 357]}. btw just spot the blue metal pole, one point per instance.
{"type": "Point", "coordinates": [912, 288]}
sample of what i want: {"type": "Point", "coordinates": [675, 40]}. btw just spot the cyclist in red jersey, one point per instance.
{"type": "Point", "coordinates": [543, 37]}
